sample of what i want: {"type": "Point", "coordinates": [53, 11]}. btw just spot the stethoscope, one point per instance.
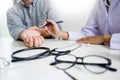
{"type": "Point", "coordinates": [39, 55]}
{"type": "Point", "coordinates": [45, 53]}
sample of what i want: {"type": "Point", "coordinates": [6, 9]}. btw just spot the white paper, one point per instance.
{"type": "Point", "coordinates": [55, 75]}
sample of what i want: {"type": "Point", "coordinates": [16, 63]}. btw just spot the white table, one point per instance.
{"type": "Point", "coordinates": [35, 69]}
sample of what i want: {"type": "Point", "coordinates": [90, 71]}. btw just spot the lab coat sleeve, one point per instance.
{"type": "Point", "coordinates": [115, 41]}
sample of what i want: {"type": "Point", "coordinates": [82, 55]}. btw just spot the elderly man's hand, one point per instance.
{"type": "Point", "coordinates": [95, 39]}
{"type": "Point", "coordinates": [32, 38]}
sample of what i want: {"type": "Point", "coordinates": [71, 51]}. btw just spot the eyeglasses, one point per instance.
{"type": "Point", "coordinates": [93, 63]}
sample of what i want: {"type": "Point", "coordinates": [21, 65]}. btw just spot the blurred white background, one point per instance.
{"type": "Point", "coordinates": [73, 12]}
{"type": "Point", "coordinates": [4, 5]}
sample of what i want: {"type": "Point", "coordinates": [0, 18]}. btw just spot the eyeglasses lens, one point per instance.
{"type": "Point", "coordinates": [67, 61]}
{"type": "Point", "coordinates": [97, 60]}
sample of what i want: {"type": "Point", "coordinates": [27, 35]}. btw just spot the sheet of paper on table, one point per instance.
{"type": "Point", "coordinates": [55, 75]}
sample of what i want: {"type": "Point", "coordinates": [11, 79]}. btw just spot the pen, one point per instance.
{"type": "Point", "coordinates": [59, 21]}
{"type": "Point", "coordinates": [48, 24]}
{"type": "Point", "coordinates": [73, 78]}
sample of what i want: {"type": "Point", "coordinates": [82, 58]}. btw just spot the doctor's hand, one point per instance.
{"type": "Point", "coordinates": [54, 30]}
{"type": "Point", "coordinates": [42, 31]}
{"type": "Point", "coordinates": [95, 39]}
{"type": "Point", "coordinates": [31, 38]}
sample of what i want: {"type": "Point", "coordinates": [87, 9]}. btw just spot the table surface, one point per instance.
{"type": "Point", "coordinates": [33, 70]}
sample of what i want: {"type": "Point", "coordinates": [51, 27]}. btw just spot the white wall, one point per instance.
{"type": "Point", "coordinates": [4, 5]}
{"type": "Point", "coordinates": [73, 12]}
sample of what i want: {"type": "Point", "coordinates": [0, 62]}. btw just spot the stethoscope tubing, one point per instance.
{"type": "Point", "coordinates": [46, 53]}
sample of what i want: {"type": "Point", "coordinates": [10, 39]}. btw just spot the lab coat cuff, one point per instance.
{"type": "Point", "coordinates": [115, 41]}
{"type": "Point", "coordinates": [75, 35]}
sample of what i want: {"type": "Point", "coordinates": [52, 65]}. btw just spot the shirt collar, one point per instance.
{"type": "Point", "coordinates": [33, 2]}
{"type": "Point", "coordinates": [105, 1]}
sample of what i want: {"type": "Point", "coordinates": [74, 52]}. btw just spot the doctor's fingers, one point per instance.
{"type": "Point", "coordinates": [52, 22]}
{"type": "Point", "coordinates": [90, 40]}
{"type": "Point", "coordinates": [33, 28]}
{"type": "Point", "coordinates": [83, 40]}
{"type": "Point", "coordinates": [54, 30]}
{"type": "Point", "coordinates": [48, 32]}
{"type": "Point", "coordinates": [44, 23]}
{"type": "Point", "coordinates": [48, 29]}
{"type": "Point", "coordinates": [33, 33]}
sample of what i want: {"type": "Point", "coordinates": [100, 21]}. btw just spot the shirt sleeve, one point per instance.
{"type": "Point", "coordinates": [115, 41]}
{"type": "Point", "coordinates": [14, 23]}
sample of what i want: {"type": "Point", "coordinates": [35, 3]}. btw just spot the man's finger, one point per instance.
{"type": "Point", "coordinates": [35, 42]}
{"type": "Point", "coordinates": [30, 44]}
